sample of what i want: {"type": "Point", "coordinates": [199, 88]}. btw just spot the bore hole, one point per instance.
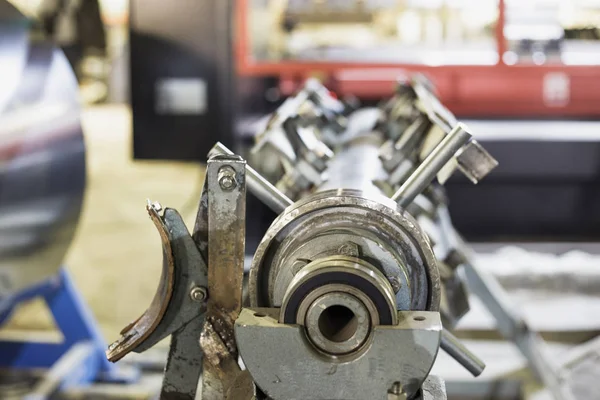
{"type": "Point", "coordinates": [419, 318]}
{"type": "Point", "coordinates": [259, 315]}
{"type": "Point", "coordinates": [338, 323]}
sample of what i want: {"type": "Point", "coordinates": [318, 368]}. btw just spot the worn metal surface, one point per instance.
{"type": "Point", "coordinates": [136, 332]}
{"type": "Point", "coordinates": [258, 185]}
{"type": "Point", "coordinates": [475, 162]}
{"type": "Point", "coordinates": [322, 223]}
{"type": "Point", "coordinates": [226, 239]}
{"type": "Point", "coordinates": [434, 388]}
{"type": "Point", "coordinates": [357, 167]}
{"type": "Point", "coordinates": [174, 310]}
{"type": "Point", "coordinates": [42, 156]}
{"type": "Point", "coordinates": [184, 362]}
{"type": "Point", "coordinates": [404, 352]}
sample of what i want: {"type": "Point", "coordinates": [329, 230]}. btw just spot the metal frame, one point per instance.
{"type": "Point", "coordinates": [76, 361]}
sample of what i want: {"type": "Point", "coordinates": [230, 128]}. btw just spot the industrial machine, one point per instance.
{"type": "Point", "coordinates": [355, 285]}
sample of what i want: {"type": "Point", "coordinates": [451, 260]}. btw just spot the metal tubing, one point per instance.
{"type": "Point", "coordinates": [259, 186]}
{"type": "Point", "coordinates": [428, 169]}
{"type": "Point", "coordinates": [452, 345]}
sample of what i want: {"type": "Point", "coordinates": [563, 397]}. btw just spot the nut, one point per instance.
{"type": "Point", "coordinates": [199, 294]}
{"type": "Point", "coordinates": [226, 178]}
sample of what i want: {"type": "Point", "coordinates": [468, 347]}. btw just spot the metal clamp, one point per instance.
{"type": "Point", "coordinates": [174, 309]}
{"type": "Point", "coordinates": [225, 192]}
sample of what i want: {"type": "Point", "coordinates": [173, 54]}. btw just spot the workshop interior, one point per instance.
{"type": "Point", "coordinates": [300, 199]}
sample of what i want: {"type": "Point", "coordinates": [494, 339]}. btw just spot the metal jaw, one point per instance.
{"type": "Point", "coordinates": [193, 298]}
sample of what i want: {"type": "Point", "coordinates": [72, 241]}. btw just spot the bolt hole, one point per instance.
{"type": "Point", "coordinates": [419, 318]}
{"type": "Point", "coordinates": [338, 323]}
{"type": "Point", "coordinates": [260, 315]}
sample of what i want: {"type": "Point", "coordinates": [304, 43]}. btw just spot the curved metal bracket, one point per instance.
{"type": "Point", "coordinates": [172, 306]}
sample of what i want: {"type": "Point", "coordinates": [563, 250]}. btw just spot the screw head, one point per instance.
{"type": "Point", "coordinates": [198, 294]}
{"type": "Point", "coordinates": [226, 178]}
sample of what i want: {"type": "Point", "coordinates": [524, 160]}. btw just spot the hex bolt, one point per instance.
{"type": "Point", "coordinates": [199, 294]}
{"type": "Point", "coordinates": [226, 178]}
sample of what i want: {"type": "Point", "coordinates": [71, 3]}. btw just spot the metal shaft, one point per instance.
{"type": "Point", "coordinates": [356, 166]}
{"type": "Point", "coordinates": [428, 169]}
{"type": "Point", "coordinates": [259, 186]}
{"type": "Point", "coordinates": [451, 345]}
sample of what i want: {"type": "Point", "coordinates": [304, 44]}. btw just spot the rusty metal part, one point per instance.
{"type": "Point", "coordinates": [136, 332]}
{"type": "Point", "coordinates": [175, 310]}
{"type": "Point", "coordinates": [226, 211]}
{"type": "Point", "coordinates": [258, 185]}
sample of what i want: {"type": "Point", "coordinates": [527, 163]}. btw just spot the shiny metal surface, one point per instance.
{"type": "Point", "coordinates": [356, 166]}
{"type": "Point", "coordinates": [42, 156]}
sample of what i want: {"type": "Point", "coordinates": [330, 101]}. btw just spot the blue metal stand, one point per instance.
{"type": "Point", "coordinates": [79, 359]}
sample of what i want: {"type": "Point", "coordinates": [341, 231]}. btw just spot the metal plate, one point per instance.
{"type": "Point", "coordinates": [285, 367]}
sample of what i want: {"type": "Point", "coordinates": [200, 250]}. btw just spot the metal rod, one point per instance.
{"type": "Point", "coordinates": [259, 186]}
{"type": "Point", "coordinates": [452, 345]}
{"type": "Point", "coordinates": [509, 322]}
{"type": "Point", "coordinates": [428, 169]}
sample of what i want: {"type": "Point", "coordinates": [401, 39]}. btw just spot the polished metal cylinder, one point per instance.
{"type": "Point", "coordinates": [452, 345]}
{"type": "Point", "coordinates": [42, 157]}
{"type": "Point", "coordinates": [433, 163]}
{"type": "Point", "coordinates": [356, 166]}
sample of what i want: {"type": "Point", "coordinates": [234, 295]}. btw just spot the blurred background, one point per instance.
{"type": "Point", "coordinates": [133, 94]}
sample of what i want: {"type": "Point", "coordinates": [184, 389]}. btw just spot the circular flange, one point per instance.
{"type": "Point", "coordinates": [338, 323]}
{"type": "Point", "coordinates": [317, 226]}
{"type": "Point", "coordinates": [344, 274]}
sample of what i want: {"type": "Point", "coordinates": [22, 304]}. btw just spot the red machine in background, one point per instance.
{"type": "Point", "coordinates": [529, 66]}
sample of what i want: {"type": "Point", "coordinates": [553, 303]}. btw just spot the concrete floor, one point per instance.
{"type": "Point", "coordinates": [115, 258]}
